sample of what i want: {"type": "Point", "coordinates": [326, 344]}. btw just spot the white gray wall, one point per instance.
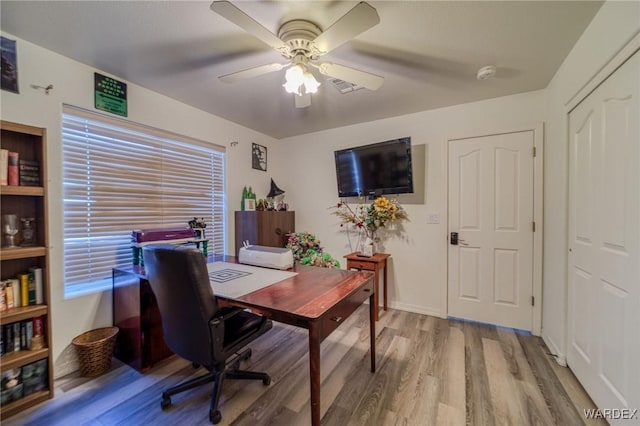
{"type": "Point", "coordinates": [418, 271]}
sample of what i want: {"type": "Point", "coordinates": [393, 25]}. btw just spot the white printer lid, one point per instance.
{"type": "Point", "coordinates": [267, 249]}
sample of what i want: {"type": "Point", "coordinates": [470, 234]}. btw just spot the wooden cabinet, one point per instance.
{"type": "Point", "coordinates": [264, 228]}
{"type": "Point", "coordinates": [27, 202]}
{"type": "Point", "coordinates": [140, 341]}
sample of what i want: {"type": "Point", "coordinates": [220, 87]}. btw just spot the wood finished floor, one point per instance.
{"type": "Point", "coordinates": [430, 371]}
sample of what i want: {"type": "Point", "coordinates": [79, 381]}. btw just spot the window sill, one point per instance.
{"type": "Point", "coordinates": [79, 290]}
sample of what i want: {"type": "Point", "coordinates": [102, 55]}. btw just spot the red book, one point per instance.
{"type": "Point", "coordinates": [13, 171]}
{"type": "Point", "coordinates": [38, 326]}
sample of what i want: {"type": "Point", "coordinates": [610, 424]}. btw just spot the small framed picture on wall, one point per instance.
{"type": "Point", "coordinates": [9, 65]}
{"type": "Point", "coordinates": [259, 157]}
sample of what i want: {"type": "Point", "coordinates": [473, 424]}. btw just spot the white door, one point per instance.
{"type": "Point", "coordinates": [604, 241]}
{"type": "Point", "coordinates": [491, 209]}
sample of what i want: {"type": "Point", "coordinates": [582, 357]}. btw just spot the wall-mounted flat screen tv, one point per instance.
{"type": "Point", "coordinates": [376, 169]}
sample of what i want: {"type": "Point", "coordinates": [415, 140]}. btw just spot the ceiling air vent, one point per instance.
{"type": "Point", "coordinates": [344, 86]}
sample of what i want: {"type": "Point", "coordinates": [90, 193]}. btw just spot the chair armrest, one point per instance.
{"type": "Point", "coordinates": [224, 316]}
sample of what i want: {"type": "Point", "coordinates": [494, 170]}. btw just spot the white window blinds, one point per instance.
{"type": "Point", "coordinates": [119, 176]}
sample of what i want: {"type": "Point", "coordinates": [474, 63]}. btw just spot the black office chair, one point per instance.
{"type": "Point", "coordinates": [194, 326]}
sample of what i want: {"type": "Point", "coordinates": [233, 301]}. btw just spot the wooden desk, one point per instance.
{"type": "Point", "coordinates": [318, 299]}
{"type": "Point", "coordinates": [140, 342]}
{"type": "Point", "coordinates": [374, 263]}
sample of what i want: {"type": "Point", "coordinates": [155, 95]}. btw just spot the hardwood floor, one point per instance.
{"type": "Point", "coordinates": [430, 371]}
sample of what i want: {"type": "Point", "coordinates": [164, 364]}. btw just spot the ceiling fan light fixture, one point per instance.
{"type": "Point", "coordinates": [294, 79]}
{"type": "Point", "coordinates": [297, 78]}
{"type": "Point", "coordinates": [310, 83]}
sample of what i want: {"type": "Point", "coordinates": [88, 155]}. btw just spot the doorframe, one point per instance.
{"type": "Point", "coordinates": [538, 215]}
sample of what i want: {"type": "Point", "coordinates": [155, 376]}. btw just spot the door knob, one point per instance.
{"type": "Point", "coordinates": [456, 240]}
{"type": "Point", "coordinates": [453, 238]}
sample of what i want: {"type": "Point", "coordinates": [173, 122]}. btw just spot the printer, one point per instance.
{"type": "Point", "coordinates": [267, 257]}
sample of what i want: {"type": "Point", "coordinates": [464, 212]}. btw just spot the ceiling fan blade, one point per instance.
{"type": "Point", "coordinates": [230, 12]}
{"type": "Point", "coordinates": [356, 21]}
{"type": "Point", "coordinates": [303, 101]}
{"type": "Point", "coordinates": [352, 75]}
{"type": "Point", "coordinates": [252, 72]}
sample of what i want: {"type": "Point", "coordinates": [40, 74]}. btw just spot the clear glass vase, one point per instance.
{"type": "Point", "coordinates": [367, 244]}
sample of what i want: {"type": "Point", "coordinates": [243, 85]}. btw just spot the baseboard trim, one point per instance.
{"type": "Point", "coordinates": [417, 309]}
{"type": "Point", "coordinates": [553, 350]}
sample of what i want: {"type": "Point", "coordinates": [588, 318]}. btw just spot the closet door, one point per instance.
{"type": "Point", "coordinates": [604, 242]}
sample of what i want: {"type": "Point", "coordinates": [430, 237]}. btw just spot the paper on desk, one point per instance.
{"type": "Point", "coordinates": [235, 280]}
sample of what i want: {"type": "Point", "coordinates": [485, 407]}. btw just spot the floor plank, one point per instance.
{"type": "Point", "coordinates": [430, 371]}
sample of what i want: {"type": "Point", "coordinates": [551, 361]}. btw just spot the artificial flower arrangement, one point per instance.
{"type": "Point", "coordinates": [369, 218]}
{"type": "Point", "coordinates": [307, 250]}
{"type": "Point", "coordinates": [316, 258]}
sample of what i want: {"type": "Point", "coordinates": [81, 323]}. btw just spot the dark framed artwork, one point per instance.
{"type": "Point", "coordinates": [9, 65]}
{"type": "Point", "coordinates": [259, 157]}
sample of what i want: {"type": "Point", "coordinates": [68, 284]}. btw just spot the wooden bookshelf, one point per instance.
{"type": "Point", "coordinates": [27, 201]}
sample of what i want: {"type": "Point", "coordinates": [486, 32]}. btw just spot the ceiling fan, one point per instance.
{"type": "Point", "coordinates": [302, 43]}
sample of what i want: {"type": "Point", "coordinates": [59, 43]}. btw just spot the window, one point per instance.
{"type": "Point", "coordinates": [119, 176]}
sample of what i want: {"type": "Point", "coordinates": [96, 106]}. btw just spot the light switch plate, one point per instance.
{"type": "Point", "coordinates": [433, 217]}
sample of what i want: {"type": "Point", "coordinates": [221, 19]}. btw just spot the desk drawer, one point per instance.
{"type": "Point", "coordinates": [361, 264]}
{"type": "Point", "coordinates": [339, 313]}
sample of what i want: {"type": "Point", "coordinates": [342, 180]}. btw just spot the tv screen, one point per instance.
{"type": "Point", "coordinates": [376, 169]}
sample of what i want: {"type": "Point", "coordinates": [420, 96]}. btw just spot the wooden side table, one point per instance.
{"type": "Point", "coordinates": [374, 263]}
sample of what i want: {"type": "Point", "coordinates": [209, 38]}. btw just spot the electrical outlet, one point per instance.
{"type": "Point", "coordinates": [433, 217]}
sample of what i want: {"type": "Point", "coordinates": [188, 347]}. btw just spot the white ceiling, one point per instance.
{"type": "Point", "coordinates": [427, 51]}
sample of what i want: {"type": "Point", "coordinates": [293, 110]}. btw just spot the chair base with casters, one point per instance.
{"type": "Point", "coordinates": [217, 376]}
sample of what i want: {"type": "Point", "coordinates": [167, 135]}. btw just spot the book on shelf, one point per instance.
{"type": "Point", "coordinates": [17, 295]}
{"type": "Point", "coordinates": [23, 335]}
{"type": "Point", "coordinates": [29, 180]}
{"type": "Point", "coordinates": [31, 286]}
{"type": "Point", "coordinates": [7, 337]}
{"type": "Point", "coordinates": [8, 295]}
{"type": "Point", "coordinates": [37, 278]}
{"type": "Point", "coordinates": [24, 289]}
{"type": "Point", "coordinates": [12, 170]}
{"type": "Point", "coordinates": [29, 166]}
{"type": "Point", "coordinates": [4, 166]}
{"type": "Point", "coordinates": [38, 326]}
{"type": "Point", "coordinates": [3, 297]}
{"type": "Point", "coordinates": [16, 336]}
{"type": "Point", "coordinates": [29, 173]}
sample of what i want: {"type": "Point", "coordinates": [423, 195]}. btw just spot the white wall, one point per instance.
{"type": "Point", "coordinates": [611, 29]}
{"type": "Point", "coordinates": [73, 84]}
{"type": "Point", "coordinates": [418, 271]}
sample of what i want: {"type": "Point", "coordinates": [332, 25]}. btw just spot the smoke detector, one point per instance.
{"type": "Point", "coordinates": [486, 72]}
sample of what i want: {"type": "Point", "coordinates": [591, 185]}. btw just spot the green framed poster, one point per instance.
{"type": "Point", "coordinates": [110, 95]}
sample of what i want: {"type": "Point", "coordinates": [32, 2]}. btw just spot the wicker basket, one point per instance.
{"type": "Point", "coordinates": [95, 349]}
